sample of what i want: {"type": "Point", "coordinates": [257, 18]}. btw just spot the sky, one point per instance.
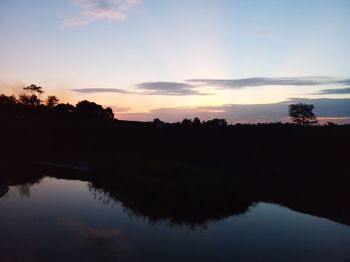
{"type": "Point", "coordinates": [245, 61]}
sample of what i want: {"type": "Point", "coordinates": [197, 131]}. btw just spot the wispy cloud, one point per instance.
{"type": "Point", "coordinates": [264, 81]}
{"type": "Point", "coordinates": [337, 91]}
{"type": "Point", "coordinates": [94, 10]}
{"type": "Point", "coordinates": [100, 90]}
{"type": "Point", "coordinates": [344, 82]}
{"type": "Point", "coordinates": [169, 88]}
{"type": "Point", "coordinates": [192, 87]}
{"type": "Point", "coordinates": [149, 89]}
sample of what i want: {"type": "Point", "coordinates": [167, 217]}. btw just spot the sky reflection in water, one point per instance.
{"type": "Point", "coordinates": [57, 220]}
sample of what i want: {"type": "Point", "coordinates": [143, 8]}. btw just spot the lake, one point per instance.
{"type": "Point", "coordinates": [67, 220]}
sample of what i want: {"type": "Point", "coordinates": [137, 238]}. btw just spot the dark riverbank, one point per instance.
{"type": "Point", "coordinates": [191, 174]}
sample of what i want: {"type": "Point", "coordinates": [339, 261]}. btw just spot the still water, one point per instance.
{"type": "Point", "coordinates": [65, 220]}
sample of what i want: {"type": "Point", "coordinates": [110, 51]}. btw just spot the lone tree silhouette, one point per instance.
{"type": "Point", "coordinates": [34, 89]}
{"type": "Point", "coordinates": [31, 100]}
{"type": "Point", "coordinates": [302, 114]}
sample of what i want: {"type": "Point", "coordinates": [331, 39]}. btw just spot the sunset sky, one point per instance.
{"type": "Point", "coordinates": [241, 60]}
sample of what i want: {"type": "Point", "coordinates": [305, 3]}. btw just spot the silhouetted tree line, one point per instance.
{"type": "Point", "coordinates": [301, 114]}
{"type": "Point", "coordinates": [30, 102]}
{"type": "Point", "coordinates": [196, 122]}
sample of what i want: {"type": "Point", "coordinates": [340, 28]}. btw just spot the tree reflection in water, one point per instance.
{"type": "Point", "coordinates": [24, 190]}
{"type": "Point", "coordinates": [174, 216]}
{"type": "Point", "coordinates": [102, 195]}
{"type": "Point", "coordinates": [168, 201]}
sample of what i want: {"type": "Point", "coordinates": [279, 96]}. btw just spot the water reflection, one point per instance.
{"type": "Point", "coordinates": [195, 217]}
{"type": "Point", "coordinates": [24, 185]}
{"type": "Point", "coordinates": [195, 214]}
{"type": "Point", "coordinates": [24, 190]}
{"type": "Point", "coordinates": [92, 236]}
{"type": "Point", "coordinates": [68, 220]}
{"type": "Point", "coordinates": [102, 195]}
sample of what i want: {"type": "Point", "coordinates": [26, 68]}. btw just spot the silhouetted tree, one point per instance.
{"type": "Point", "coordinates": [64, 108]}
{"type": "Point", "coordinates": [7, 100]}
{"type": "Point", "coordinates": [52, 101]}
{"type": "Point", "coordinates": [216, 122]}
{"type": "Point", "coordinates": [34, 89]}
{"type": "Point", "coordinates": [186, 122]}
{"type": "Point", "coordinates": [158, 123]}
{"type": "Point", "coordinates": [302, 114]}
{"type": "Point", "coordinates": [196, 121]}
{"type": "Point", "coordinates": [108, 113]}
{"type": "Point", "coordinates": [32, 100]}
{"type": "Point", "coordinates": [7, 104]}
{"type": "Point", "coordinates": [93, 110]}
{"type": "Point", "coordinates": [88, 109]}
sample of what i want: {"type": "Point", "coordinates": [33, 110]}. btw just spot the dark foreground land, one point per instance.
{"type": "Point", "coordinates": [186, 174]}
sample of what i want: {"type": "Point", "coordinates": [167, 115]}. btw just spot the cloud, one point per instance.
{"type": "Point", "coordinates": [149, 88]}
{"type": "Point", "coordinates": [100, 90]}
{"type": "Point", "coordinates": [339, 91]}
{"type": "Point", "coordinates": [110, 238]}
{"type": "Point", "coordinates": [169, 89]}
{"type": "Point", "coordinates": [269, 81]}
{"type": "Point", "coordinates": [263, 81]}
{"type": "Point", "coordinates": [344, 82]}
{"type": "Point", "coordinates": [91, 232]}
{"type": "Point", "coordinates": [191, 87]}
{"type": "Point", "coordinates": [336, 110]}
{"type": "Point", "coordinates": [94, 10]}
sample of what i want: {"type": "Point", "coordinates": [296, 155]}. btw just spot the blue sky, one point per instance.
{"type": "Point", "coordinates": [137, 55]}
